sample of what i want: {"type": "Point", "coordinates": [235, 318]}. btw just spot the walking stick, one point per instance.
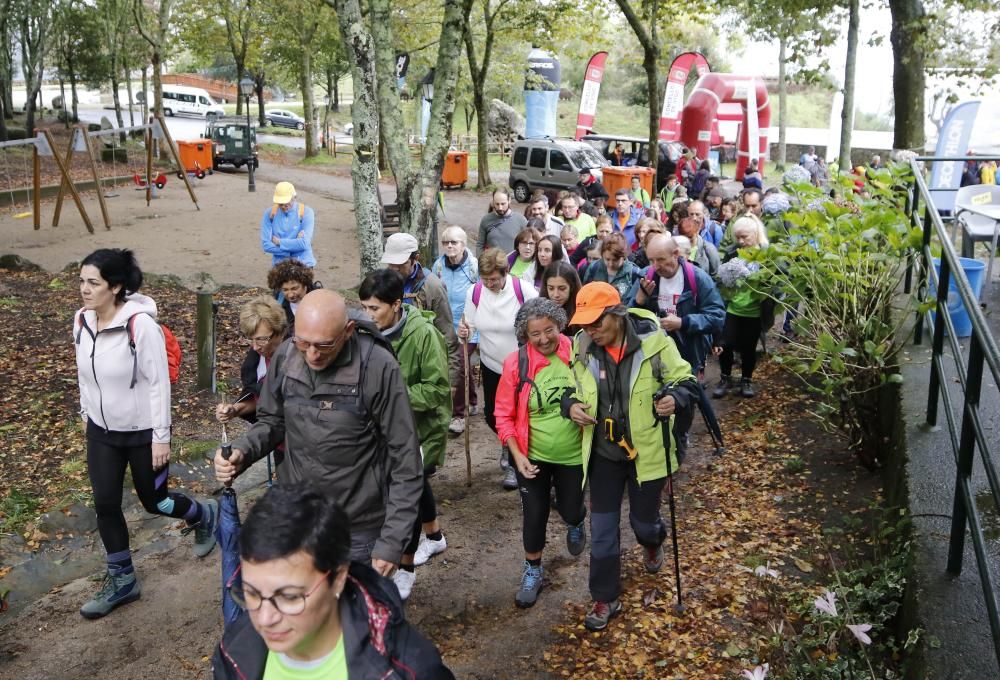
{"type": "Point", "coordinates": [465, 386]}
{"type": "Point", "coordinates": [665, 427]}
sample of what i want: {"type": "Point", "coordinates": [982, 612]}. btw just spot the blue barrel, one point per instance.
{"type": "Point", "coordinates": [975, 272]}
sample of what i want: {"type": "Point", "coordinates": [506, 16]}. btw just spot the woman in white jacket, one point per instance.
{"type": "Point", "coordinates": [125, 404]}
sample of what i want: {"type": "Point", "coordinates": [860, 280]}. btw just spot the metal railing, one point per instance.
{"type": "Point", "coordinates": [966, 436]}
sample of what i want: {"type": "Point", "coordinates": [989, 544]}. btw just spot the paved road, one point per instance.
{"type": "Point", "coordinates": [190, 127]}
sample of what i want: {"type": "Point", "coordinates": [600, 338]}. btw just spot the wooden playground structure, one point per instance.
{"type": "Point", "coordinates": [42, 146]}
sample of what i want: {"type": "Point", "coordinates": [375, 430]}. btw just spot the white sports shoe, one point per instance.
{"type": "Point", "coordinates": [457, 426]}
{"type": "Point", "coordinates": [404, 582]}
{"type": "Point", "coordinates": [428, 548]}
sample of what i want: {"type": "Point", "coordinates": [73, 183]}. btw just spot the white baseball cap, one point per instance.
{"type": "Point", "coordinates": [398, 248]}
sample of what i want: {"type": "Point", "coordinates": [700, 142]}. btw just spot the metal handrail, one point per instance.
{"type": "Point", "coordinates": [983, 353]}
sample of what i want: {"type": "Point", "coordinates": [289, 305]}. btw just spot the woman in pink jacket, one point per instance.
{"type": "Point", "coordinates": [545, 447]}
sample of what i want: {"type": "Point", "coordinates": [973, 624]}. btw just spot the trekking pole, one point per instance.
{"type": "Point", "coordinates": [465, 386]}
{"type": "Point", "coordinates": [665, 427]}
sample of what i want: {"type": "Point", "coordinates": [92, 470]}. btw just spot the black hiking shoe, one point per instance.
{"type": "Point", "coordinates": [722, 389]}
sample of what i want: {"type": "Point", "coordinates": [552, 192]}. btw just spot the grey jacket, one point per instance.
{"type": "Point", "coordinates": [349, 429]}
{"type": "Point", "coordinates": [499, 232]}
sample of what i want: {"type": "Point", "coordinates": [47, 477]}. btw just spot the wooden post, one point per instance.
{"type": "Point", "coordinates": [65, 178]}
{"type": "Point", "coordinates": [62, 185]}
{"type": "Point", "coordinates": [177, 158]}
{"type": "Point", "coordinates": [204, 341]}
{"type": "Point", "coordinates": [97, 179]}
{"type": "Point", "coordinates": [36, 184]}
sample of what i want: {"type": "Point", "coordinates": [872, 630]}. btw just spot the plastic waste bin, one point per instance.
{"type": "Point", "coordinates": [960, 319]}
{"type": "Point", "coordinates": [620, 177]}
{"type": "Point", "coordinates": [456, 169]}
{"type": "Point", "coordinates": [196, 155]}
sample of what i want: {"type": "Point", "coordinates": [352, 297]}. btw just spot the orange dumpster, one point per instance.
{"type": "Point", "coordinates": [196, 156]}
{"type": "Point", "coordinates": [615, 178]}
{"type": "Point", "coordinates": [456, 169]}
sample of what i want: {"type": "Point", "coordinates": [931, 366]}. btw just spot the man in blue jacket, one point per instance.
{"type": "Point", "coordinates": [685, 299]}
{"type": "Point", "coordinates": [286, 229]}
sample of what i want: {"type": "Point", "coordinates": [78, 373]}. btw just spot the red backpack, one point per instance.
{"type": "Point", "coordinates": [174, 354]}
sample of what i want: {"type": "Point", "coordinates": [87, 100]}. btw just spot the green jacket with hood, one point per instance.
{"type": "Point", "coordinates": [423, 355]}
{"type": "Point", "coordinates": [645, 430]}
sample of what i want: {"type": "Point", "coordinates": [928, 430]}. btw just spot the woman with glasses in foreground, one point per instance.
{"type": "Point", "coordinates": [309, 611]}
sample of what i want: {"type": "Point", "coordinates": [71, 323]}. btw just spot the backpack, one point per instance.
{"type": "Point", "coordinates": [692, 280]}
{"type": "Point", "coordinates": [477, 291]}
{"type": "Point", "coordinates": [302, 211]}
{"type": "Point", "coordinates": [174, 354]}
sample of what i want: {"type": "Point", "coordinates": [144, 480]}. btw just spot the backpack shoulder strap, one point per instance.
{"type": "Point", "coordinates": [518, 293]}
{"type": "Point", "coordinates": [692, 280]}
{"type": "Point", "coordinates": [81, 324]}
{"type": "Point", "coordinates": [477, 293]}
{"type": "Point", "coordinates": [130, 332]}
{"type": "Point", "coordinates": [274, 211]}
{"type": "Point", "coordinates": [302, 211]}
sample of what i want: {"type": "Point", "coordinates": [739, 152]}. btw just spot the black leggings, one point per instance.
{"type": "Point", "coordinates": [740, 334]}
{"type": "Point", "coordinates": [108, 454]}
{"type": "Point", "coordinates": [428, 513]}
{"type": "Point", "coordinates": [536, 500]}
{"type": "Point", "coordinates": [491, 381]}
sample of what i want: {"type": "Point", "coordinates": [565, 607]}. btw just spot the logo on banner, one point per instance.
{"type": "Point", "coordinates": [673, 98]}
{"type": "Point", "coordinates": [704, 135]}
{"type": "Point", "coordinates": [596, 74]}
{"type": "Point", "coordinates": [588, 98]}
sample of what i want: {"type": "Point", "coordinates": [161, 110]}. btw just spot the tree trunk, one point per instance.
{"type": "Point", "coordinates": [907, 37]}
{"type": "Point", "coordinates": [335, 95]}
{"type": "Point", "coordinates": [364, 114]}
{"type": "Point", "coordinates": [650, 58]}
{"type": "Point", "coordinates": [782, 105]}
{"type": "Point", "coordinates": [478, 75]}
{"type": "Point", "coordinates": [308, 113]}
{"type": "Point", "coordinates": [128, 87]}
{"type": "Point", "coordinates": [260, 100]}
{"type": "Point", "coordinates": [62, 94]}
{"type": "Point", "coordinates": [145, 94]}
{"type": "Point", "coordinates": [240, 72]}
{"type": "Point", "coordinates": [76, 99]}
{"type": "Point", "coordinates": [847, 115]}
{"type": "Point", "coordinates": [116, 99]}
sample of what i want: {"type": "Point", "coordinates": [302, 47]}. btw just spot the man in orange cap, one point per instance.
{"type": "Point", "coordinates": [631, 381]}
{"type": "Point", "coordinates": [286, 229]}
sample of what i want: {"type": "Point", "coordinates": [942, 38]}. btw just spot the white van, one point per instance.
{"type": "Point", "coordinates": [191, 100]}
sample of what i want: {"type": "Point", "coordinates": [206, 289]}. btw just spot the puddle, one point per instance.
{"type": "Point", "coordinates": [989, 515]}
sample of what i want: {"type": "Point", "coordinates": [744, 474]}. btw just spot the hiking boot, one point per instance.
{"type": "Point", "coordinates": [116, 590]}
{"type": "Point", "coordinates": [504, 459]}
{"type": "Point", "coordinates": [601, 613]}
{"type": "Point", "coordinates": [204, 529]}
{"type": "Point", "coordinates": [428, 549]}
{"type": "Point", "coordinates": [652, 559]}
{"type": "Point", "coordinates": [746, 388]}
{"type": "Point", "coordinates": [576, 539]}
{"type": "Point", "coordinates": [404, 582]}
{"type": "Point", "coordinates": [531, 585]}
{"type": "Point", "coordinates": [473, 410]}
{"type": "Point", "coordinates": [456, 426]}
{"type": "Point", "coordinates": [725, 384]}
{"type": "Point", "coordinates": [509, 479]}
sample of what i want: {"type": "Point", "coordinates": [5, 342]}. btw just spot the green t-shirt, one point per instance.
{"type": "Point", "coordinates": [331, 667]}
{"type": "Point", "coordinates": [585, 226]}
{"type": "Point", "coordinates": [519, 267]}
{"type": "Point", "coordinates": [553, 439]}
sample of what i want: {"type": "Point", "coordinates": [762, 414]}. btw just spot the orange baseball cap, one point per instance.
{"type": "Point", "coordinates": [592, 300]}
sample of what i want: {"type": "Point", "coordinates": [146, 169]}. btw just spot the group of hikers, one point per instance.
{"type": "Point", "coordinates": [589, 377]}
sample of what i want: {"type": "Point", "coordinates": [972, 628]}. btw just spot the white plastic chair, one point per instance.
{"type": "Point", "coordinates": [976, 227]}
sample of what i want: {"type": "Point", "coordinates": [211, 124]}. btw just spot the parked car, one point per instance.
{"type": "Point", "coordinates": [636, 153]}
{"type": "Point", "coordinates": [233, 142]}
{"type": "Point", "coordinates": [550, 164]}
{"type": "Point", "coordinates": [285, 118]}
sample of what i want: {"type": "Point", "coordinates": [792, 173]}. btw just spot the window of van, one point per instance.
{"type": "Point", "coordinates": [186, 98]}
{"type": "Point", "coordinates": [537, 158]}
{"type": "Point", "coordinates": [168, 95]}
{"type": "Point", "coordinates": [203, 100]}
{"type": "Point", "coordinates": [521, 156]}
{"type": "Point", "coordinates": [558, 161]}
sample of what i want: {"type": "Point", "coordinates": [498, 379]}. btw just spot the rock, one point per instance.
{"type": "Point", "coordinates": [17, 263]}
{"type": "Point", "coordinates": [76, 519]}
{"type": "Point", "coordinates": [504, 124]}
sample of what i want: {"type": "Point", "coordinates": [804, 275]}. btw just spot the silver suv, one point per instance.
{"type": "Point", "coordinates": [550, 164]}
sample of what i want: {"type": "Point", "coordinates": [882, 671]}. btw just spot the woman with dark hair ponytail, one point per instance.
{"type": "Point", "coordinates": [124, 381]}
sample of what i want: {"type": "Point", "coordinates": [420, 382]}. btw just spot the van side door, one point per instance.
{"type": "Point", "coordinates": [562, 174]}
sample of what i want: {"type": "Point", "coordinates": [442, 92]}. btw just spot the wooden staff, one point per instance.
{"type": "Point", "coordinates": [465, 386]}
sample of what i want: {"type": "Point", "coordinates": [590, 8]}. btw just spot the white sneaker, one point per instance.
{"type": "Point", "coordinates": [404, 582]}
{"type": "Point", "coordinates": [457, 426]}
{"type": "Point", "coordinates": [428, 548]}
{"type": "Point", "coordinates": [473, 410]}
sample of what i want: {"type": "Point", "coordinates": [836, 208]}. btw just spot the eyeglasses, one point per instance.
{"type": "Point", "coordinates": [450, 243]}
{"type": "Point", "coordinates": [321, 347]}
{"type": "Point", "coordinates": [285, 602]}
{"type": "Point", "coordinates": [596, 324]}
{"type": "Point", "coordinates": [261, 339]}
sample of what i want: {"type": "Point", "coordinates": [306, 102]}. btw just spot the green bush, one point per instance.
{"type": "Point", "coordinates": [842, 262]}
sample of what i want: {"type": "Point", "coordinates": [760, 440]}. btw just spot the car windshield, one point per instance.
{"type": "Point", "coordinates": [586, 157]}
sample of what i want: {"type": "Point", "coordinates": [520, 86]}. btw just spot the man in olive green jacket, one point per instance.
{"type": "Point", "coordinates": [621, 360]}
{"type": "Point", "coordinates": [423, 356]}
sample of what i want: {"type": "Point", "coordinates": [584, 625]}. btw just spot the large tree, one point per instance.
{"type": "Point", "coordinates": [154, 20]}
{"type": "Point", "coordinates": [33, 23]}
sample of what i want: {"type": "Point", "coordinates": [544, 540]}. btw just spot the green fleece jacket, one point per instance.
{"type": "Point", "coordinates": [423, 356]}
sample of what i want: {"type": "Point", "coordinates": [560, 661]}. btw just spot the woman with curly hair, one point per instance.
{"type": "Point", "coordinates": [292, 280]}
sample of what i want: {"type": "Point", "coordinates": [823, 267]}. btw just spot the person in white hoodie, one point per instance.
{"type": "Point", "coordinates": [491, 305]}
{"type": "Point", "coordinates": [125, 404]}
